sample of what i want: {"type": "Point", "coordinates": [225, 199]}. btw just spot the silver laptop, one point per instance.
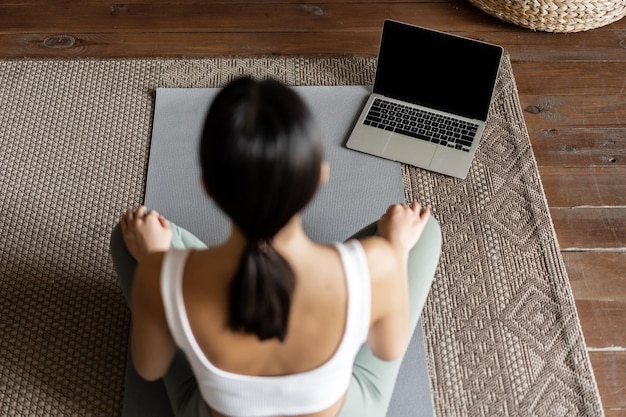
{"type": "Point", "coordinates": [430, 100]}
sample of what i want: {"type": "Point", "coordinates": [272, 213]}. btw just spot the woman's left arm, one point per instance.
{"type": "Point", "coordinates": [152, 345]}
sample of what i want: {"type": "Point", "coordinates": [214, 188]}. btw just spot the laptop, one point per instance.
{"type": "Point", "coordinates": [430, 100]}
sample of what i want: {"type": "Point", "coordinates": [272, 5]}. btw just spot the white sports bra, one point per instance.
{"type": "Point", "coordinates": [264, 396]}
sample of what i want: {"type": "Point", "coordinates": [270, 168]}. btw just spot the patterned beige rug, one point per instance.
{"type": "Point", "coordinates": [501, 329]}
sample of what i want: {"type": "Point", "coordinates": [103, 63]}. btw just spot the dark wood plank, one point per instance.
{"type": "Point", "coordinates": [171, 28]}
{"type": "Point", "coordinates": [552, 111]}
{"type": "Point", "coordinates": [584, 186]}
{"type": "Point", "coordinates": [569, 78]}
{"type": "Point", "coordinates": [594, 229]}
{"type": "Point", "coordinates": [119, 45]}
{"type": "Point", "coordinates": [127, 5]}
{"type": "Point", "coordinates": [527, 46]}
{"type": "Point", "coordinates": [597, 276]}
{"type": "Point", "coordinates": [561, 146]}
{"type": "Point", "coordinates": [609, 369]}
{"type": "Point", "coordinates": [603, 323]}
{"type": "Point", "coordinates": [221, 17]}
{"type": "Point", "coordinates": [615, 412]}
{"type": "Point", "coordinates": [194, 2]}
{"type": "Point", "coordinates": [224, 40]}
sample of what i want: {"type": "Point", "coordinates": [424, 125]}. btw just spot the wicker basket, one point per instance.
{"type": "Point", "coordinates": [555, 15]}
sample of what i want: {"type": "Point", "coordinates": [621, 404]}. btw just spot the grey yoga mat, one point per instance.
{"type": "Point", "coordinates": [360, 189]}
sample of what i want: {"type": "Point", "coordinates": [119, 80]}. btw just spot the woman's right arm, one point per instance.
{"type": "Point", "coordinates": [399, 229]}
{"type": "Point", "coordinates": [147, 236]}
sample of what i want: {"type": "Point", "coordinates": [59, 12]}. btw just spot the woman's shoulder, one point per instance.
{"type": "Point", "coordinates": [198, 263]}
{"type": "Point", "coordinates": [149, 271]}
{"type": "Point", "coordinates": [210, 270]}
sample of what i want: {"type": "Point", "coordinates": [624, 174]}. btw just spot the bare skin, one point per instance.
{"type": "Point", "coordinates": [314, 333]}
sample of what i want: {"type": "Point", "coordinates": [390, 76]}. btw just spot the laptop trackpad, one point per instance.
{"type": "Point", "coordinates": [411, 151]}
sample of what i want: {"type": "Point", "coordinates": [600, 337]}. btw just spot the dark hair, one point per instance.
{"type": "Point", "coordinates": [261, 159]}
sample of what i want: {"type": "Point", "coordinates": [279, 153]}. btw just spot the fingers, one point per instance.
{"type": "Point", "coordinates": [418, 208]}
{"type": "Point", "coordinates": [423, 212]}
{"type": "Point", "coordinates": [141, 213]}
{"type": "Point", "coordinates": [414, 206]}
{"type": "Point", "coordinates": [164, 223]}
{"type": "Point", "coordinates": [412, 209]}
{"type": "Point", "coordinates": [129, 215]}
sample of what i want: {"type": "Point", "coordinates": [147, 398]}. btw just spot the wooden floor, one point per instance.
{"type": "Point", "coordinates": [572, 88]}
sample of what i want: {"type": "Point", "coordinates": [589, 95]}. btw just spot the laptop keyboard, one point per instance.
{"type": "Point", "coordinates": [420, 124]}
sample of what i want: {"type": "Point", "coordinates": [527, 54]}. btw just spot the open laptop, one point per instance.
{"type": "Point", "coordinates": [430, 101]}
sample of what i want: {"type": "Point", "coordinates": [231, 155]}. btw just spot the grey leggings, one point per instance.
{"type": "Point", "coordinates": [373, 380]}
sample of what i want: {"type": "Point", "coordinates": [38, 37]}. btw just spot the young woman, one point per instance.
{"type": "Point", "coordinates": [271, 323]}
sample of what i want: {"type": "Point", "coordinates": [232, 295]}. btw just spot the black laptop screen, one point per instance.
{"type": "Point", "coordinates": [437, 70]}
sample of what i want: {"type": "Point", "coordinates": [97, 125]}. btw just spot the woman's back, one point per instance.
{"type": "Point", "coordinates": [316, 320]}
{"type": "Point", "coordinates": [328, 323]}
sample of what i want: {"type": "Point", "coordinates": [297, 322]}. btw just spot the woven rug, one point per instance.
{"type": "Point", "coordinates": [500, 325]}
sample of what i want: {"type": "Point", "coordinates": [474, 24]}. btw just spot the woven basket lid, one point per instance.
{"type": "Point", "coordinates": [555, 15]}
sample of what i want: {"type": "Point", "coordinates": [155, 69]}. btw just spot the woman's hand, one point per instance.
{"type": "Point", "coordinates": [145, 232]}
{"type": "Point", "coordinates": [403, 225]}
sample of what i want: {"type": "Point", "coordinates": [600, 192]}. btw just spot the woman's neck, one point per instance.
{"type": "Point", "coordinates": [288, 238]}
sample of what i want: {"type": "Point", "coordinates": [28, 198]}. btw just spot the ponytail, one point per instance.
{"type": "Point", "coordinates": [260, 293]}
{"type": "Point", "coordinates": [261, 156]}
